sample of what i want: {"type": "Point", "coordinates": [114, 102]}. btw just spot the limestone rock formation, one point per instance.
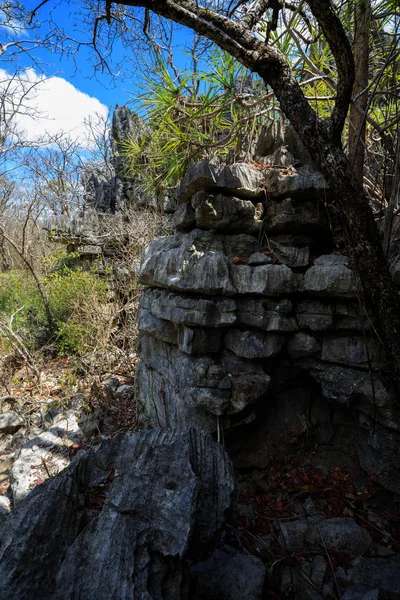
{"type": "Point", "coordinates": [249, 299]}
{"type": "Point", "coordinates": [110, 190]}
{"type": "Point", "coordinates": [119, 522]}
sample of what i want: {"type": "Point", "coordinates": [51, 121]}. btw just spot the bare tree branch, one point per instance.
{"type": "Point", "coordinates": [341, 50]}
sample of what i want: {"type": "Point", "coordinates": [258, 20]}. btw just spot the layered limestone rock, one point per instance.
{"type": "Point", "coordinates": [249, 301]}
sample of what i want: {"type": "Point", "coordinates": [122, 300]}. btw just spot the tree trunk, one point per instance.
{"type": "Point", "coordinates": [380, 295]}
{"type": "Point", "coordinates": [357, 119]}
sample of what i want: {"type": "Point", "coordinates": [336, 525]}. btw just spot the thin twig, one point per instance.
{"type": "Point", "coordinates": [330, 563]}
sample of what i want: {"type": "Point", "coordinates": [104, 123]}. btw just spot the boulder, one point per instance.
{"type": "Point", "coordinates": [293, 535]}
{"type": "Point", "coordinates": [380, 574]}
{"type": "Point", "coordinates": [10, 422]}
{"type": "Point", "coordinates": [47, 453]}
{"type": "Point", "coordinates": [331, 276]}
{"type": "Point", "coordinates": [229, 575]}
{"type": "Point", "coordinates": [341, 533]}
{"type": "Point", "coordinates": [119, 522]}
{"type": "Point", "coordinates": [319, 568]}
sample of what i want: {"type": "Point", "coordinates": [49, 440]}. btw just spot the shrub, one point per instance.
{"type": "Point", "coordinates": [77, 301]}
{"type": "Point", "coordinates": [19, 291]}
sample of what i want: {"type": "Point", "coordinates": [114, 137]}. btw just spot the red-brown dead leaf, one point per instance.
{"type": "Point", "coordinates": [239, 261]}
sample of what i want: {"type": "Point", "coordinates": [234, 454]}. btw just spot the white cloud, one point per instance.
{"type": "Point", "coordinates": [49, 106]}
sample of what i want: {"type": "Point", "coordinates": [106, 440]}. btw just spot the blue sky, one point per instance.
{"type": "Point", "coordinates": [72, 89]}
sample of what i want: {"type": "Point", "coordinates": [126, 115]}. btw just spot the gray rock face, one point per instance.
{"type": "Point", "coordinates": [297, 216]}
{"type": "Point", "coordinates": [224, 213]}
{"type": "Point", "coordinates": [353, 351]}
{"type": "Point", "coordinates": [238, 180]}
{"type": "Point", "coordinates": [122, 519]}
{"type": "Point", "coordinates": [159, 328]}
{"type": "Point", "coordinates": [10, 422]}
{"type": "Point", "coordinates": [303, 344]}
{"type": "Point", "coordinates": [124, 125]}
{"type": "Point", "coordinates": [330, 278]}
{"type": "Point", "coordinates": [274, 137]}
{"type": "Point", "coordinates": [339, 382]}
{"type": "Point", "coordinates": [254, 344]}
{"type": "Point", "coordinates": [379, 452]}
{"type": "Point", "coordinates": [266, 314]}
{"type": "Point", "coordinates": [266, 280]}
{"type": "Point", "coordinates": [192, 263]}
{"type": "Point", "coordinates": [176, 389]}
{"type": "Point", "coordinates": [314, 315]}
{"type": "Point", "coordinates": [228, 575]}
{"type": "Point", "coordinates": [107, 188]}
{"type": "Point", "coordinates": [200, 262]}
{"type": "Point", "coordinates": [302, 182]}
{"type": "Point", "coordinates": [247, 182]}
{"type": "Point", "coordinates": [259, 258]}
{"type": "Point", "coordinates": [184, 217]}
{"type": "Point", "coordinates": [291, 255]}
{"type": "Point", "coordinates": [189, 340]}
{"type": "Point", "coordinates": [199, 341]}
{"type": "Point", "coordinates": [374, 573]}
{"type": "Point", "coordinates": [47, 447]}
{"type": "Point", "coordinates": [193, 312]}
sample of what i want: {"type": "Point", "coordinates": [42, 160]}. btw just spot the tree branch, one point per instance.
{"type": "Point", "coordinates": [237, 39]}
{"type": "Point", "coordinates": [255, 13]}
{"type": "Point", "coordinates": [341, 50]}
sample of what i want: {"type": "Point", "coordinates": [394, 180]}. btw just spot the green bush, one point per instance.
{"type": "Point", "coordinates": [61, 261]}
{"type": "Point", "coordinates": [76, 300]}
{"type": "Point", "coordinates": [13, 290]}
{"type": "Point", "coordinates": [19, 291]}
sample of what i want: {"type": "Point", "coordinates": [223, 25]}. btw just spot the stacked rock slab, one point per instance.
{"type": "Point", "coordinates": [247, 297]}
